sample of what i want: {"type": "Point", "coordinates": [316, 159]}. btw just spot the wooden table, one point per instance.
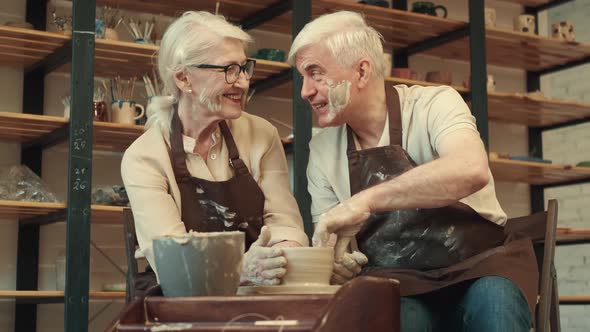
{"type": "Point", "coordinates": [364, 304]}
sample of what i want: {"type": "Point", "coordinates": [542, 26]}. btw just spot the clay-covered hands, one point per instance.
{"type": "Point", "coordinates": [263, 265]}
{"type": "Point", "coordinates": [348, 267]}
{"type": "Point", "coordinates": [344, 220]}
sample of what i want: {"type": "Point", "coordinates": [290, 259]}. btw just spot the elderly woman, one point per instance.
{"type": "Point", "coordinates": [205, 165]}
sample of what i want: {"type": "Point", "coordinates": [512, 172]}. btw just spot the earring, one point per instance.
{"type": "Point", "coordinates": [189, 90]}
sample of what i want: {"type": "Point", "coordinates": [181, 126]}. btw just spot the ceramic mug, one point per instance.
{"type": "Point", "coordinates": [563, 30]}
{"type": "Point", "coordinates": [441, 77]}
{"type": "Point", "coordinates": [525, 24]}
{"type": "Point", "coordinates": [111, 34]}
{"type": "Point", "coordinates": [99, 108]}
{"type": "Point", "coordinates": [99, 28]}
{"type": "Point", "coordinates": [125, 111]}
{"type": "Point", "coordinates": [429, 8]}
{"type": "Point", "coordinates": [490, 17]}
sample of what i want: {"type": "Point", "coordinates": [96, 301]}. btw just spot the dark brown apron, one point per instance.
{"type": "Point", "coordinates": [213, 206]}
{"type": "Point", "coordinates": [428, 249]}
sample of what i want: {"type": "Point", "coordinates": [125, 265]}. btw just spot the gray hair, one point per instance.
{"type": "Point", "coordinates": [188, 40]}
{"type": "Point", "coordinates": [348, 37]}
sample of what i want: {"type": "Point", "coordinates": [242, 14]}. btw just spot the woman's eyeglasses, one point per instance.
{"type": "Point", "coordinates": [232, 71]}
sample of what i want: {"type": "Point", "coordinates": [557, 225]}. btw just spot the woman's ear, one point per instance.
{"type": "Point", "coordinates": [364, 72]}
{"type": "Point", "coordinates": [181, 80]}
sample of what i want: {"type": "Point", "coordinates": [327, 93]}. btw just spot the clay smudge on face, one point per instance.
{"type": "Point", "coordinates": [338, 97]}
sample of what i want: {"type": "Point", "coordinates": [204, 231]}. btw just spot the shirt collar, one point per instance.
{"type": "Point", "coordinates": [188, 143]}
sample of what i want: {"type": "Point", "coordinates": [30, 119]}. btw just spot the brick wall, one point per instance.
{"type": "Point", "coordinates": [569, 146]}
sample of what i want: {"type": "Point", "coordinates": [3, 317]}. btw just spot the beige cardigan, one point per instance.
{"type": "Point", "coordinates": [147, 173]}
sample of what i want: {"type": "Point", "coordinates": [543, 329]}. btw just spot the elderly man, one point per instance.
{"type": "Point", "coordinates": [402, 172]}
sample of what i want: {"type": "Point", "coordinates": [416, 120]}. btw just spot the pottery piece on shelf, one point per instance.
{"type": "Point", "coordinates": [272, 54]}
{"type": "Point", "coordinates": [563, 30]}
{"type": "Point", "coordinates": [585, 163]}
{"type": "Point", "coordinates": [490, 17]}
{"type": "Point", "coordinates": [199, 264]}
{"type": "Point", "coordinates": [525, 24]}
{"type": "Point", "coordinates": [490, 83]}
{"type": "Point", "coordinates": [428, 8]}
{"type": "Point", "coordinates": [308, 266]}
{"type": "Point", "coordinates": [405, 73]}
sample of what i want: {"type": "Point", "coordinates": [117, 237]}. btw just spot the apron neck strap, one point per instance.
{"type": "Point", "coordinates": [177, 148]}
{"type": "Point", "coordinates": [234, 155]}
{"type": "Point", "coordinates": [395, 121]}
{"type": "Point", "coordinates": [395, 116]}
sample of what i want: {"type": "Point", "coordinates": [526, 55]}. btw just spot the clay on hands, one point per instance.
{"type": "Point", "coordinates": [262, 265]}
{"type": "Point", "coordinates": [349, 266]}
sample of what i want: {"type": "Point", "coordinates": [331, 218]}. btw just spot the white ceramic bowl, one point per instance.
{"type": "Point", "coordinates": [308, 266]}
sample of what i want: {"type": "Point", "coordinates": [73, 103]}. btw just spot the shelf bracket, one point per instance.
{"type": "Point", "coordinates": [50, 139]}
{"type": "Point", "coordinates": [51, 62]}
{"type": "Point", "coordinates": [435, 41]}
{"type": "Point", "coordinates": [272, 81]}
{"type": "Point", "coordinates": [257, 19]}
{"type": "Point", "coordinates": [545, 6]}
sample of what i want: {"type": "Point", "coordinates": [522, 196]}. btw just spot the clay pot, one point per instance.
{"type": "Point", "coordinates": [199, 264]}
{"type": "Point", "coordinates": [307, 266]}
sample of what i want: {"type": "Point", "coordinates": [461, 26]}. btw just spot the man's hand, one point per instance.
{"type": "Point", "coordinates": [262, 265]}
{"type": "Point", "coordinates": [348, 267]}
{"type": "Point", "coordinates": [287, 244]}
{"type": "Point", "coordinates": [345, 220]}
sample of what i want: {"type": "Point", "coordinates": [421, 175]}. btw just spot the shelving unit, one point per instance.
{"type": "Point", "coordinates": [407, 33]}
{"type": "Point", "coordinates": [54, 296]}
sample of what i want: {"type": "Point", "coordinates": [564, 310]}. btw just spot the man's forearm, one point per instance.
{"type": "Point", "coordinates": [431, 185]}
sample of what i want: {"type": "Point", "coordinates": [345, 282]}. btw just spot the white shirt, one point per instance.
{"type": "Point", "coordinates": [428, 114]}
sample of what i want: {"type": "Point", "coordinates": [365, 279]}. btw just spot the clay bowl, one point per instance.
{"type": "Point", "coordinates": [199, 264]}
{"type": "Point", "coordinates": [308, 266]}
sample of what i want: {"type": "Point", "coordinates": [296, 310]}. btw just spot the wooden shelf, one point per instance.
{"type": "Point", "coordinates": [399, 28]}
{"type": "Point", "coordinates": [23, 128]}
{"type": "Point", "coordinates": [574, 299]}
{"type": "Point", "coordinates": [54, 296]}
{"type": "Point", "coordinates": [397, 80]}
{"type": "Point", "coordinates": [22, 48]}
{"type": "Point", "coordinates": [572, 236]}
{"type": "Point", "coordinates": [531, 3]}
{"type": "Point", "coordinates": [535, 173]}
{"type": "Point", "coordinates": [533, 112]}
{"type": "Point", "coordinates": [518, 50]}
{"type": "Point", "coordinates": [234, 10]}
{"type": "Point", "coordinates": [100, 214]}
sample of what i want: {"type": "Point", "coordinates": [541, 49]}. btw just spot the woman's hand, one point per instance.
{"type": "Point", "coordinates": [263, 265]}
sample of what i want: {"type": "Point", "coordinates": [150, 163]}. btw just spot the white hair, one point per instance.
{"type": "Point", "coordinates": [348, 37]}
{"type": "Point", "coordinates": [188, 40]}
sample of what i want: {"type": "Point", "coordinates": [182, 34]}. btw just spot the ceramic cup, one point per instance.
{"type": "Point", "coordinates": [99, 108]}
{"type": "Point", "coordinates": [126, 111]}
{"type": "Point", "coordinates": [199, 264]}
{"type": "Point", "coordinates": [441, 77]}
{"type": "Point", "coordinates": [525, 24]}
{"type": "Point", "coordinates": [387, 64]}
{"type": "Point", "coordinates": [490, 17]}
{"type": "Point", "coordinates": [111, 34]}
{"type": "Point", "coordinates": [563, 30]}
{"type": "Point", "coordinates": [308, 266]}
{"type": "Point", "coordinates": [428, 8]}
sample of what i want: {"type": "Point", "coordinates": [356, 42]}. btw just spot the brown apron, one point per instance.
{"type": "Point", "coordinates": [428, 249]}
{"type": "Point", "coordinates": [213, 206]}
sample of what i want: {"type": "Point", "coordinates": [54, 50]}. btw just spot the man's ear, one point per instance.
{"type": "Point", "coordinates": [364, 72]}
{"type": "Point", "coordinates": [181, 80]}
